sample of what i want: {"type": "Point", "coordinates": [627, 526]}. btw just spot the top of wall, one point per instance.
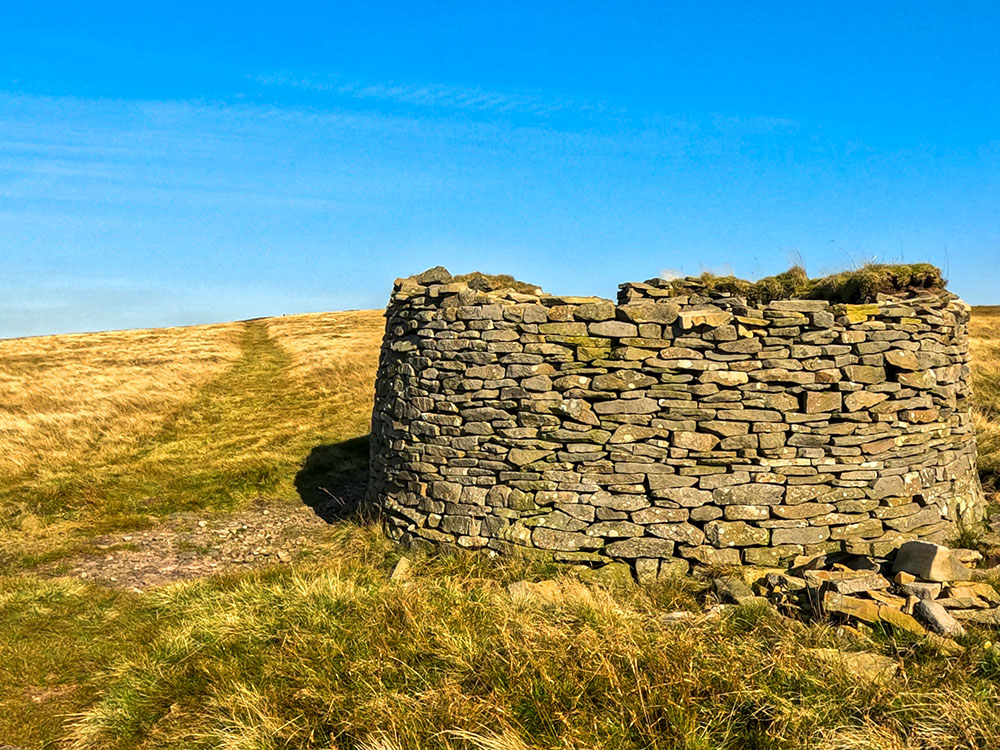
{"type": "Point", "coordinates": [919, 283]}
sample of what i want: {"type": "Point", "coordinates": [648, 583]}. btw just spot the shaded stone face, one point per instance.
{"type": "Point", "coordinates": [671, 425]}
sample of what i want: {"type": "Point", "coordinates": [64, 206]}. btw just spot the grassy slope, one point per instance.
{"type": "Point", "coordinates": [336, 655]}
{"type": "Point", "coordinates": [984, 332]}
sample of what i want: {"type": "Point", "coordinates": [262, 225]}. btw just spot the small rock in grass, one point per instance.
{"type": "Point", "coordinates": [676, 618]}
{"type": "Point", "coordinates": [401, 571]}
{"type": "Point", "coordinates": [732, 590]}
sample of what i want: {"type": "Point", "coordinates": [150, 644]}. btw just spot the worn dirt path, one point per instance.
{"type": "Point", "coordinates": [192, 545]}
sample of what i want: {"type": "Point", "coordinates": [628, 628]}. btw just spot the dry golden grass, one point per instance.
{"type": "Point", "coordinates": [334, 352]}
{"type": "Point", "coordinates": [334, 654]}
{"type": "Point", "coordinates": [174, 426]}
{"type": "Point", "coordinates": [63, 397]}
{"type": "Point", "coordinates": [984, 334]}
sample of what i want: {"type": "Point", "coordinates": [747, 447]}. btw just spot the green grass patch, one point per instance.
{"type": "Point", "coordinates": [337, 655]}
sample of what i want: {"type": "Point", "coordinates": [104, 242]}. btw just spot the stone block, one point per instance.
{"type": "Point", "coordinates": [554, 539]}
{"type": "Point", "coordinates": [807, 535]}
{"type": "Point", "coordinates": [814, 402]}
{"type": "Point", "coordinates": [749, 494]}
{"type": "Point", "coordinates": [864, 374]}
{"type": "Point", "coordinates": [695, 441]}
{"type": "Point", "coordinates": [640, 547]}
{"type": "Point", "coordinates": [613, 329]}
{"type": "Point", "coordinates": [930, 562]}
{"type": "Point", "coordinates": [735, 534]}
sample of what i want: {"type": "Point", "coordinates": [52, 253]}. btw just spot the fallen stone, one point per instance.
{"type": "Point", "coordinates": [732, 590]}
{"type": "Point", "coordinates": [900, 620]}
{"type": "Point", "coordinates": [401, 571]}
{"type": "Point", "coordinates": [968, 555]}
{"type": "Point", "coordinates": [936, 618]}
{"type": "Point", "coordinates": [981, 590]}
{"type": "Point", "coordinates": [891, 600]}
{"type": "Point", "coordinates": [921, 589]}
{"type": "Point", "coordinates": [988, 617]}
{"type": "Point", "coordinates": [962, 602]}
{"type": "Point", "coordinates": [615, 573]}
{"type": "Point", "coordinates": [681, 617]}
{"type": "Point", "coordinates": [931, 562]}
{"type": "Point", "coordinates": [861, 609]}
{"type": "Point", "coordinates": [858, 583]}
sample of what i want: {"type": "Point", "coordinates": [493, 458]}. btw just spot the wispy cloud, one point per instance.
{"type": "Point", "coordinates": [435, 95]}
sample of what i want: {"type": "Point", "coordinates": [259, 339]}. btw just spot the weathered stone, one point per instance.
{"type": "Point", "coordinates": [804, 510]}
{"type": "Point", "coordinates": [922, 379]}
{"type": "Point", "coordinates": [807, 535]}
{"type": "Point", "coordinates": [903, 360]}
{"type": "Point", "coordinates": [617, 529]}
{"type": "Point", "coordinates": [771, 556]}
{"type": "Point", "coordinates": [919, 589]}
{"type": "Point", "coordinates": [522, 456]}
{"type": "Point", "coordinates": [562, 540]}
{"type": "Point", "coordinates": [864, 374]}
{"type": "Point", "coordinates": [630, 433]}
{"type": "Point", "coordinates": [660, 515]}
{"type": "Point", "coordinates": [747, 512]}
{"type": "Point", "coordinates": [937, 619]}
{"type": "Point", "coordinates": [930, 562]}
{"type": "Point", "coordinates": [861, 609]}
{"type": "Point", "coordinates": [627, 406]}
{"type": "Point", "coordinates": [901, 621]}
{"type": "Point", "coordinates": [821, 401]}
{"type": "Point", "coordinates": [595, 311]}
{"type": "Point", "coordinates": [906, 524]}
{"type": "Point", "coordinates": [749, 494]}
{"type": "Point", "coordinates": [704, 315]}
{"type": "Point", "coordinates": [683, 533]}
{"type": "Point", "coordinates": [735, 534]}
{"type": "Point", "coordinates": [863, 400]}
{"type": "Point", "coordinates": [987, 617]}
{"type": "Point", "coordinates": [695, 441]}
{"type": "Point", "coordinates": [732, 590]}
{"type": "Point", "coordinates": [613, 329]}
{"type": "Point", "coordinates": [626, 380]}
{"type": "Point", "coordinates": [641, 547]}
{"type": "Point", "coordinates": [858, 582]}
{"type": "Point", "coordinates": [650, 312]}
{"type": "Point", "coordinates": [724, 377]}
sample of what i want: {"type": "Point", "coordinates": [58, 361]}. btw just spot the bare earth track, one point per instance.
{"type": "Point", "coordinates": [183, 546]}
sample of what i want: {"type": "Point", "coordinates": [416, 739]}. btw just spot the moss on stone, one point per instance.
{"type": "Point", "coordinates": [856, 286]}
{"type": "Point", "coordinates": [487, 282]}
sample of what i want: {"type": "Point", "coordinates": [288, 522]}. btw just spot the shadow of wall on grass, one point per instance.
{"type": "Point", "coordinates": [333, 479]}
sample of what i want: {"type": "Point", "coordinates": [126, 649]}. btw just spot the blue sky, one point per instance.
{"type": "Point", "coordinates": [178, 163]}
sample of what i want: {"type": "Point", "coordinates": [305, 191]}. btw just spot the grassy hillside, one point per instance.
{"type": "Point", "coordinates": [984, 332]}
{"type": "Point", "coordinates": [107, 434]}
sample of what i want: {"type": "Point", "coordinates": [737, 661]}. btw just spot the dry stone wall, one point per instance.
{"type": "Point", "coordinates": [672, 427]}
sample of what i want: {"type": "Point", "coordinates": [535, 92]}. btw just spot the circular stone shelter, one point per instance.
{"type": "Point", "coordinates": [687, 423]}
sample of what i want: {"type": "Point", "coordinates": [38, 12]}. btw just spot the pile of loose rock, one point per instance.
{"type": "Point", "coordinates": [923, 588]}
